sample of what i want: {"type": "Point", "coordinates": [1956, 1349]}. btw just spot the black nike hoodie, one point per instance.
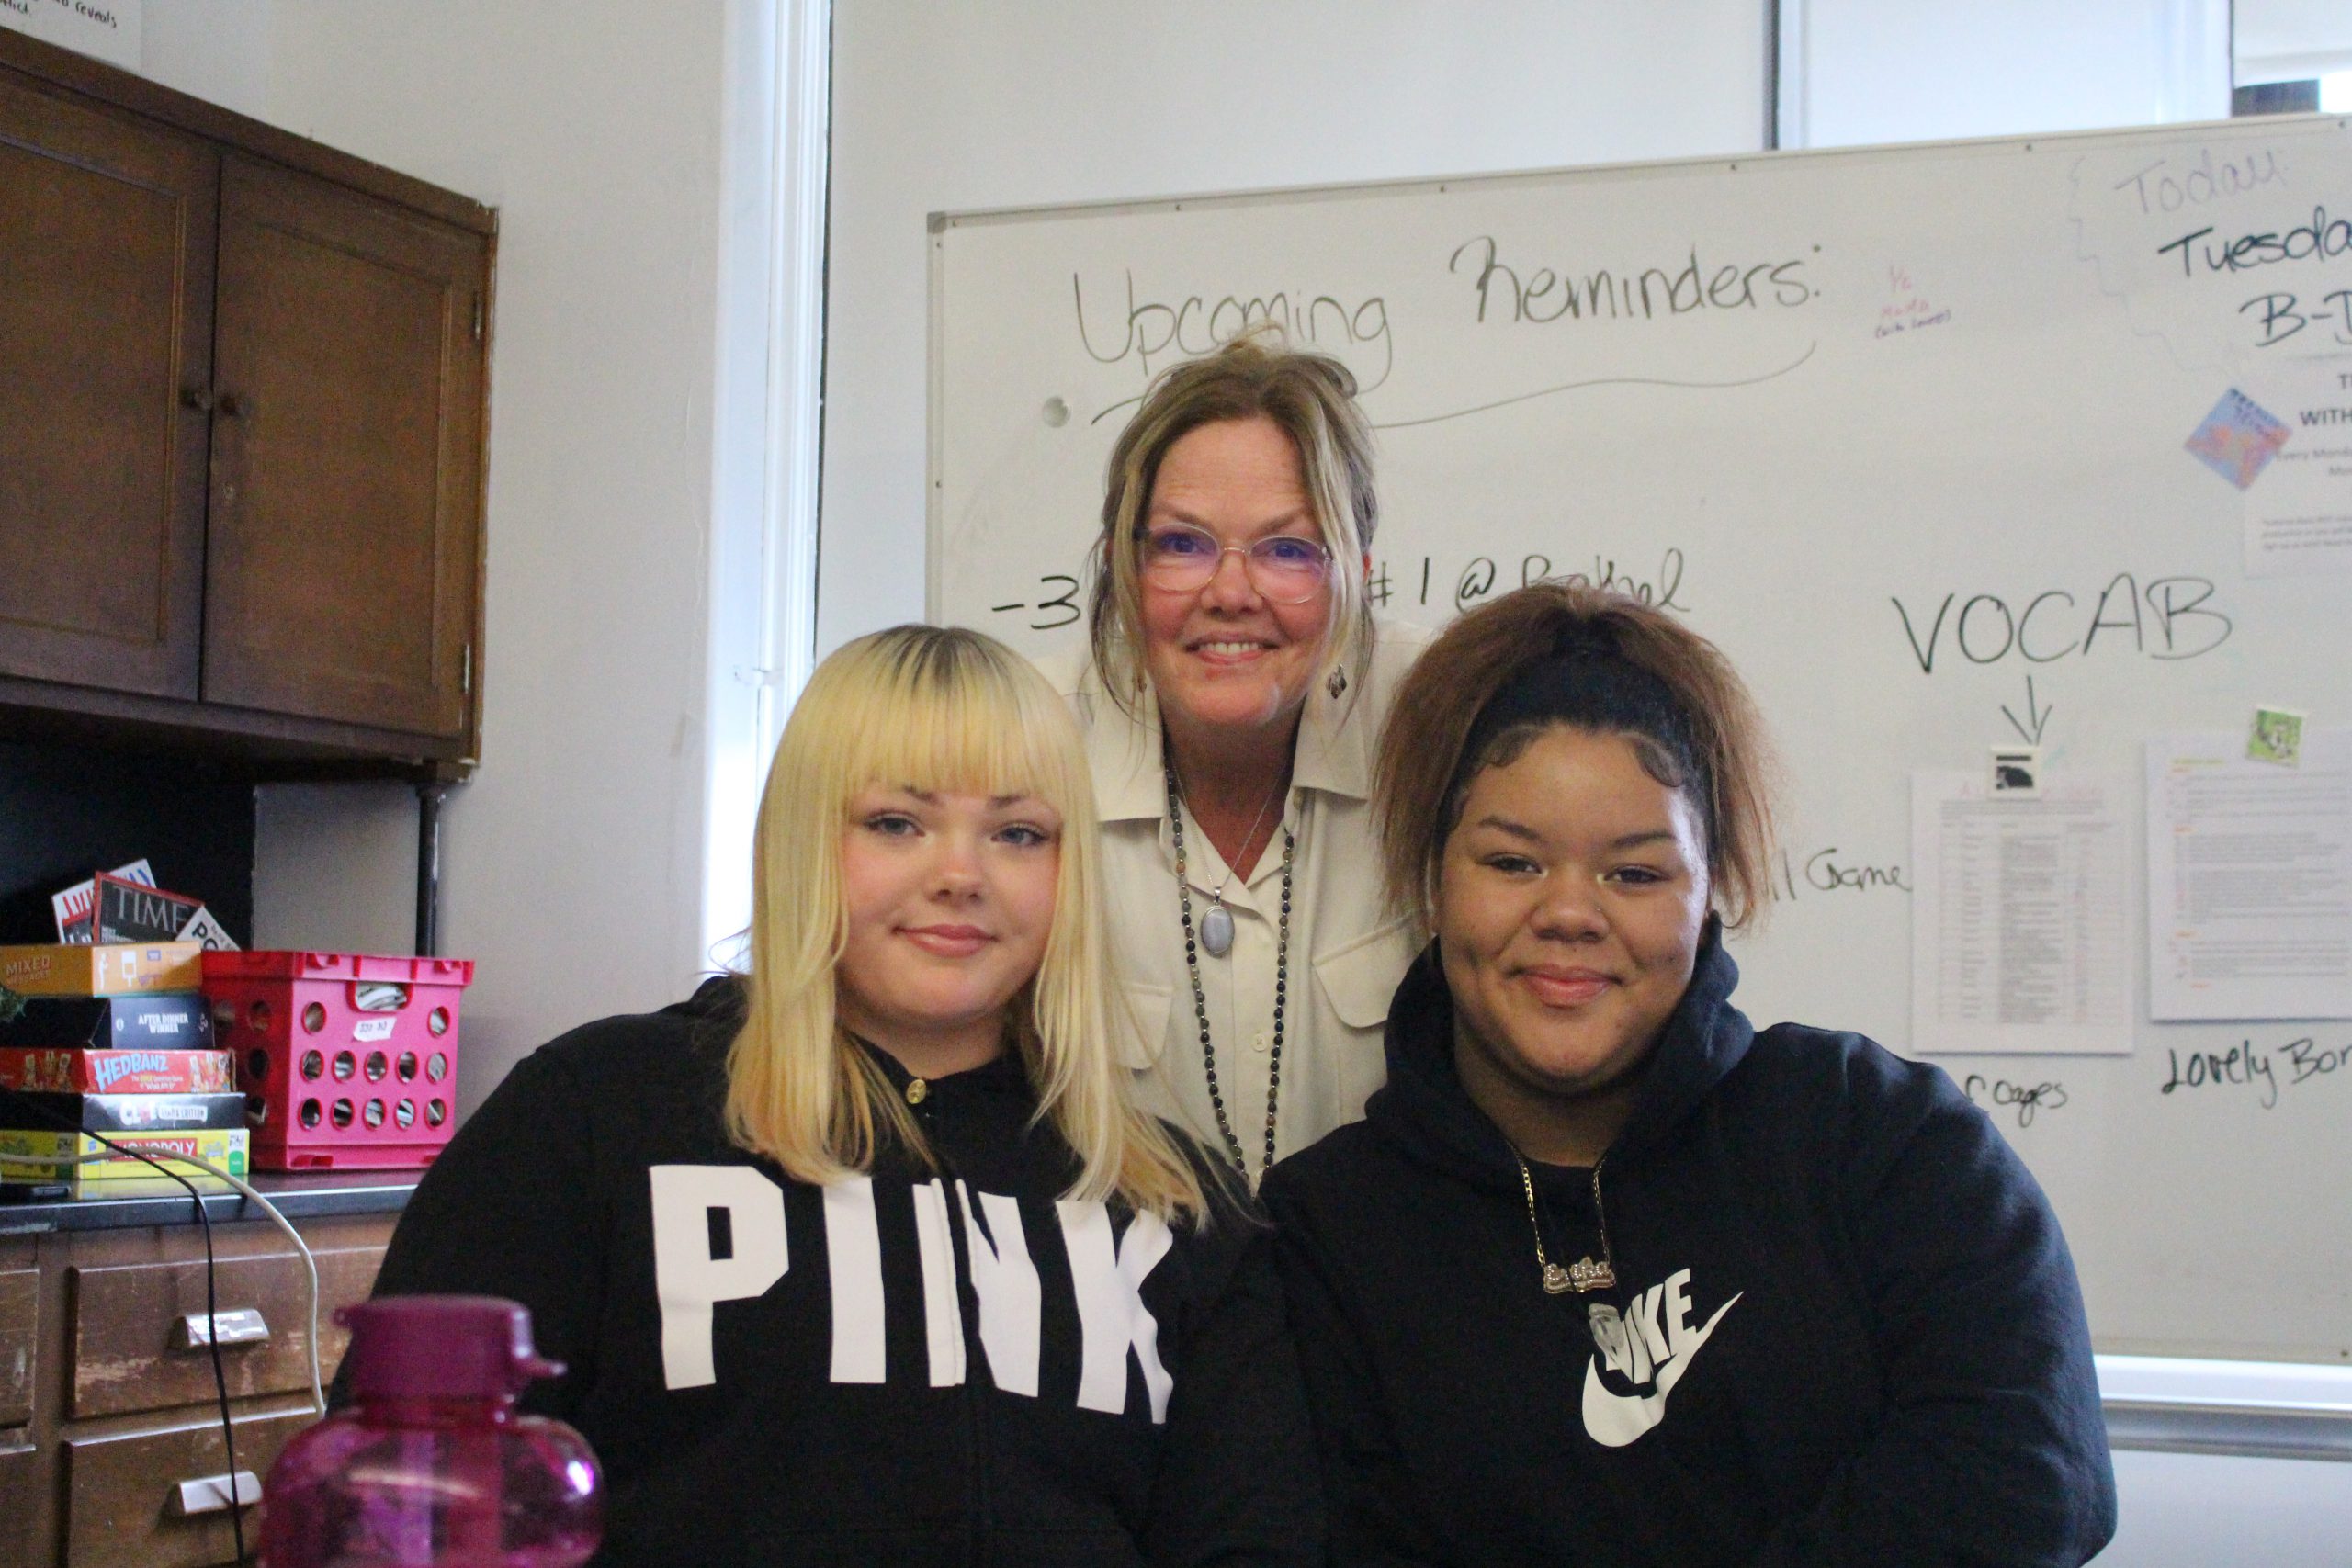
{"type": "Point", "coordinates": [1845, 1328]}
{"type": "Point", "coordinates": [917, 1368]}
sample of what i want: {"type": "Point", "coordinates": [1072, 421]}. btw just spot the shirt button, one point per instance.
{"type": "Point", "coordinates": [1261, 1043]}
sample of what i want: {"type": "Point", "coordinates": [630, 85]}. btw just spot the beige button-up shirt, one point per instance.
{"type": "Point", "coordinates": [1346, 954]}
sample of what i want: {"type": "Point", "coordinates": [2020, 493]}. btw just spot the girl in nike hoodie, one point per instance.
{"type": "Point", "coordinates": [1607, 1276]}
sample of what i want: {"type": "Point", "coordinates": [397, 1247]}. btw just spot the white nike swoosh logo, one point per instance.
{"type": "Point", "coordinates": [1615, 1420]}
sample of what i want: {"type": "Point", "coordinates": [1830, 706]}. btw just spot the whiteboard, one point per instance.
{"type": "Point", "coordinates": [1903, 430]}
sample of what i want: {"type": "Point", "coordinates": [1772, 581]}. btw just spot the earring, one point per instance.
{"type": "Point", "coordinates": [1338, 684]}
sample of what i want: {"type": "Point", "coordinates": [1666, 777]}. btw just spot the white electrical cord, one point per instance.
{"type": "Point", "coordinates": [301, 1249]}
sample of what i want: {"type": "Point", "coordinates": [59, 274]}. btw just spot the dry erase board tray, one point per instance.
{"type": "Point", "coordinates": [297, 1195]}
{"type": "Point", "coordinates": [2258, 1409]}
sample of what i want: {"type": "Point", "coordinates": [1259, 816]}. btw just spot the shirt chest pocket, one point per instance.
{"type": "Point", "coordinates": [1141, 1023]}
{"type": "Point", "coordinates": [1360, 976]}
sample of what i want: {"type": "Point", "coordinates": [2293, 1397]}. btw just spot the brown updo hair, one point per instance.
{"type": "Point", "coordinates": [1563, 654]}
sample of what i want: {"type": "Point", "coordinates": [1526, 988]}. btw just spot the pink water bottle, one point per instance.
{"type": "Point", "coordinates": [429, 1466]}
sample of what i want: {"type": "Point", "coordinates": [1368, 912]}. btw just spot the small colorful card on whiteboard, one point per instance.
{"type": "Point", "coordinates": [2238, 439]}
{"type": "Point", "coordinates": [2277, 736]}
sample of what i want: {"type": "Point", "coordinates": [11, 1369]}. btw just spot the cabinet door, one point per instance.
{"type": "Point", "coordinates": [106, 347]}
{"type": "Point", "coordinates": [343, 566]}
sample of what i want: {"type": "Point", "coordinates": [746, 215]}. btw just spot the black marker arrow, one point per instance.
{"type": "Point", "coordinates": [2039, 717]}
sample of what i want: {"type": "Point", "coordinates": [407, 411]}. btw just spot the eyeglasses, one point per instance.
{"type": "Point", "coordinates": [1181, 559]}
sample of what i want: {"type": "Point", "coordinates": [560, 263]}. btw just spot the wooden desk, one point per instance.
{"type": "Point", "coordinates": [105, 1409]}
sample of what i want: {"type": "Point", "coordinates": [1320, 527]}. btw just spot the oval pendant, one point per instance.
{"type": "Point", "coordinates": [1555, 1279]}
{"type": "Point", "coordinates": [1216, 931]}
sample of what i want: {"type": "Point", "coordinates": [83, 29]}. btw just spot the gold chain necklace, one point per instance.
{"type": "Point", "coordinates": [1584, 1274]}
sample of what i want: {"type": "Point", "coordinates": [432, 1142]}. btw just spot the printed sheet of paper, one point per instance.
{"type": "Point", "coordinates": [2020, 920]}
{"type": "Point", "coordinates": [2249, 878]}
{"type": "Point", "coordinates": [2295, 470]}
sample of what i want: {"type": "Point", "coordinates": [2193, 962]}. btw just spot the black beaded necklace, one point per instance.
{"type": "Point", "coordinates": [1200, 999]}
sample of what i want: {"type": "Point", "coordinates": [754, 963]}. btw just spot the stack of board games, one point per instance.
{"type": "Point", "coordinates": [112, 1040]}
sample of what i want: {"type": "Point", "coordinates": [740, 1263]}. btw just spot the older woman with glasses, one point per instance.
{"type": "Point", "coordinates": [1233, 692]}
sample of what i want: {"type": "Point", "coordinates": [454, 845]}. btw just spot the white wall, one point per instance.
{"type": "Point", "coordinates": [214, 50]}
{"type": "Point", "coordinates": [2207, 1510]}
{"type": "Point", "coordinates": [2287, 40]}
{"type": "Point", "coordinates": [948, 107]}
{"type": "Point", "coordinates": [1871, 71]}
{"type": "Point", "coordinates": [572, 864]}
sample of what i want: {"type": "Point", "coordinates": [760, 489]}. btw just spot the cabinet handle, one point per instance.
{"type": "Point", "coordinates": [194, 1331]}
{"type": "Point", "coordinates": [235, 407]}
{"type": "Point", "coordinates": [197, 398]}
{"type": "Point", "coordinates": [213, 1493]}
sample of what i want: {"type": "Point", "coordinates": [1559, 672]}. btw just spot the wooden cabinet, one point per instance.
{"type": "Point", "coordinates": [242, 386]}
{"type": "Point", "coordinates": [340, 579]}
{"type": "Point", "coordinates": [19, 1290]}
{"type": "Point", "coordinates": [126, 1329]}
{"type": "Point", "coordinates": [113, 1408]}
{"type": "Point", "coordinates": [107, 237]}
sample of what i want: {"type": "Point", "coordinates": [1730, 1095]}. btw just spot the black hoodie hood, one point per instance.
{"type": "Point", "coordinates": [973, 1120]}
{"type": "Point", "coordinates": [1430, 1116]}
{"type": "Point", "coordinates": [719, 1003]}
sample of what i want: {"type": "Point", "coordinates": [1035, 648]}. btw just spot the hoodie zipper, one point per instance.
{"type": "Point", "coordinates": [975, 1489]}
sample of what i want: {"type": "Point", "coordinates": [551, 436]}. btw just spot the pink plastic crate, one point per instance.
{"type": "Point", "coordinates": [348, 1062]}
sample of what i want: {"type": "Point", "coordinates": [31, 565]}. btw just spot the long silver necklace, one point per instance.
{"type": "Point", "coordinates": [1200, 999]}
{"type": "Point", "coordinates": [1216, 921]}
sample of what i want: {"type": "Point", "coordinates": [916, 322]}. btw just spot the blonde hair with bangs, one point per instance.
{"type": "Point", "coordinates": [953, 711]}
{"type": "Point", "coordinates": [1312, 398]}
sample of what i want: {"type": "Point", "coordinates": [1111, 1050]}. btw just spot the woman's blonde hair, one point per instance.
{"type": "Point", "coordinates": [951, 711]}
{"type": "Point", "coordinates": [1312, 398]}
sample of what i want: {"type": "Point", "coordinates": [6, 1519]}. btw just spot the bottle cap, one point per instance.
{"type": "Point", "coordinates": [441, 1347]}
